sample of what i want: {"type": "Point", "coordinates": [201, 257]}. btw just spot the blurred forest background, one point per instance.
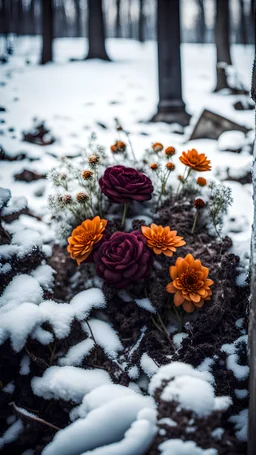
{"type": "Point", "coordinates": [133, 19]}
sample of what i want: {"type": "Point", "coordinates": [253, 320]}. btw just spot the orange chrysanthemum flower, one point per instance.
{"type": "Point", "coordinates": [84, 237]}
{"type": "Point", "coordinates": [190, 283]}
{"type": "Point", "coordinates": [162, 240]}
{"type": "Point", "coordinates": [201, 181]}
{"type": "Point", "coordinates": [196, 161]}
{"type": "Point", "coordinates": [170, 166]}
{"type": "Point", "coordinates": [170, 151]}
{"type": "Point", "coordinates": [157, 147]}
{"type": "Point", "coordinates": [154, 166]}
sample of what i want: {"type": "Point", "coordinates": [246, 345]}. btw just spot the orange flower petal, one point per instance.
{"type": "Point", "coordinates": [178, 298]}
{"type": "Point", "coordinates": [188, 306]}
{"type": "Point", "coordinates": [170, 288]}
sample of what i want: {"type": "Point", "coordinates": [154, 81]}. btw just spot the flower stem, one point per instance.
{"type": "Point", "coordinates": [194, 224]}
{"type": "Point", "coordinates": [124, 213]}
{"type": "Point", "coordinates": [131, 147]}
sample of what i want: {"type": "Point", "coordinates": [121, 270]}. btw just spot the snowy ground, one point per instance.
{"type": "Point", "coordinates": [73, 96]}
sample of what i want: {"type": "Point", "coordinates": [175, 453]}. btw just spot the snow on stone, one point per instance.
{"type": "Point", "coordinates": [178, 338]}
{"type": "Point", "coordinates": [104, 335]}
{"type": "Point", "coordinates": [44, 275]}
{"type": "Point", "coordinates": [18, 323]}
{"type": "Point", "coordinates": [146, 304]}
{"type": "Point", "coordinates": [60, 316]}
{"type": "Point", "coordinates": [102, 395]}
{"type": "Point", "coordinates": [148, 365]}
{"type": "Point", "coordinates": [241, 372]}
{"type": "Point", "coordinates": [241, 424]}
{"type": "Point", "coordinates": [16, 204]}
{"type": "Point", "coordinates": [77, 353]}
{"type": "Point", "coordinates": [231, 140]}
{"type": "Point", "coordinates": [22, 288]}
{"type": "Point", "coordinates": [12, 433]}
{"type": "Point", "coordinates": [26, 240]}
{"type": "Point", "coordinates": [85, 301]}
{"type": "Point", "coordinates": [179, 447]}
{"type": "Point", "coordinates": [25, 365]}
{"type": "Point", "coordinates": [68, 383]}
{"type": "Point", "coordinates": [5, 196]}
{"type": "Point", "coordinates": [98, 429]}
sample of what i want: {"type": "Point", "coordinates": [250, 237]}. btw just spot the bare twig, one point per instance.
{"type": "Point", "coordinates": [32, 417]}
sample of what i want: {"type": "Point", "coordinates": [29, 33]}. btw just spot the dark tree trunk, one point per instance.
{"type": "Point", "coordinates": [201, 22]}
{"type": "Point", "coordinates": [171, 108]}
{"type": "Point", "coordinates": [130, 25]}
{"type": "Point", "coordinates": [141, 22]}
{"type": "Point", "coordinates": [242, 24]}
{"type": "Point", "coordinates": [118, 19]}
{"type": "Point", "coordinates": [20, 18]}
{"type": "Point", "coordinates": [96, 31]}
{"type": "Point", "coordinates": [32, 17]}
{"type": "Point", "coordinates": [222, 41]}
{"type": "Point", "coordinates": [47, 30]}
{"type": "Point", "coordinates": [78, 26]}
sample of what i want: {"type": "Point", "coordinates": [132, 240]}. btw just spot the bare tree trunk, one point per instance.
{"type": "Point", "coordinates": [141, 22]}
{"type": "Point", "coordinates": [242, 24]}
{"type": "Point", "coordinates": [171, 107]}
{"type": "Point", "coordinates": [32, 18]}
{"type": "Point", "coordinates": [47, 30]}
{"type": "Point", "coordinates": [78, 25]}
{"type": "Point", "coordinates": [118, 19]}
{"type": "Point", "coordinates": [222, 41]}
{"type": "Point", "coordinates": [201, 22]}
{"type": "Point", "coordinates": [20, 18]}
{"type": "Point", "coordinates": [96, 31]}
{"type": "Point", "coordinates": [130, 25]}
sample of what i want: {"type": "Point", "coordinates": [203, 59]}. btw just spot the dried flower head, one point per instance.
{"type": "Point", "coordinates": [201, 181]}
{"type": "Point", "coordinates": [196, 161]}
{"type": "Point", "coordinates": [180, 178]}
{"type": "Point", "coordinates": [81, 197]}
{"type": "Point", "coordinates": [162, 239]}
{"type": "Point", "coordinates": [157, 147]}
{"type": "Point", "coordinates": [154, 166]}
{"type": "Point", "coordinates": [199, 203]}
{"type": "Point", "coordinates": [190, 285]}
{"type": "Point", "coordinates": [86, 175]}
{"type": "Point", "coordinates": [84, 237]}
{"type": "Point", "coordinates": [170, 151]}
{"type": "Point", "coordinates": [170, 166]}
{"type": "Point", "coordinates": [66, 199]}
{"type": "Point", "coordinates": [118, 147]}
{"type": "Point", "coordinates": [93, 159]}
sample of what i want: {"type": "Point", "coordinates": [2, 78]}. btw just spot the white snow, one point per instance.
{"type": "Point", "coordinates": [9, 388]}
{"type": "Point", "coordinates": [179, 447]}
{"type": "Point", "coordinates": [148, 365]}
{"type": "Point", "coordinates": [241, 372]}
{"type": "Point", "coordinates": [105, 336]}
{"type": "Point", "coordinates": [231, 140]}
{"type": "Point", "coordinates": [217, 433]}
{"type": "Point", "coordinates": [167, 421]}
{"type": "Point", "coordinates": [68, 383]}
{"type": "Point", "coordinates": [12, 433]}
{"type": "Point", "coordinates": [88, 300]}
{"type": "Point", "coordinates": [99, 430]}
{"type": "Point", "coordinates": [25, 365]}
{"type": "Point", "coordinates": [241, 424]}
{"type": "Point", "coordinates": [77, 353]}
{"type": "Point", "coordinates": [22, 288]}
{"type": "Point", "coordinates": [44, 274]}
{"type": "Point", "coordinates": [178, 338]}
{"type": "Point", "coordinates": [146, 304]}
{"type": "Point", "coordinates": [241, 393]}
{"type": "Point", "coordinates": [189, 388]}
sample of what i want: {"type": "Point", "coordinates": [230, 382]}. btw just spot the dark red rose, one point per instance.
{"type": "Point", "coordinates": [124, 184]}
{"type": "Point", "coordinates": [124, 258]}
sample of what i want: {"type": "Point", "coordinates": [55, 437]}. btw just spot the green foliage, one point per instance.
{"type": "Point", "coordinates": [220, 200]}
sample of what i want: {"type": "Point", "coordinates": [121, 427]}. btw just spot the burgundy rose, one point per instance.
{"type": "Point", "coordinates": [124, 184]}
{"type": "Point", "coordinates": [124, 258]}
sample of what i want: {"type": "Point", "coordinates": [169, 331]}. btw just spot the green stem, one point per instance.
{"type": "Point", "coordinates": [164, 328]}
{"type": "Point", "coordinates": [124, 213]}
{"type": "Point", "coordinates": [131, 147]}
{"type": "Point", "coordinates": [195, 220]}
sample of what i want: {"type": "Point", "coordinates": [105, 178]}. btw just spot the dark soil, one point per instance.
{"type": "Point", "coordinates": [214, 326]}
